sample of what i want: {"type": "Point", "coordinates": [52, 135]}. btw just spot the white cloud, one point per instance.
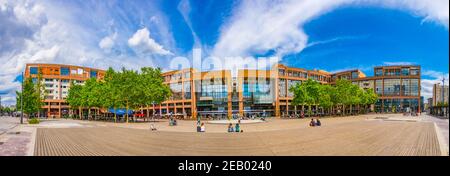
{"type": "Point", "coordinates": [141, 42]}
{"type": "Point", "coordinates": [260, 26]}
{"type": "Point", "coordinates": [427, 84]}
{"type": "Point", "coordinates": [398, 63]}
{"type": "Point", "coordinates": [107, 42]}
{"type": "Point", "coordinates": [184, 7]}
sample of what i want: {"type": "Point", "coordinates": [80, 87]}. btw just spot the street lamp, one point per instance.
{"type": "Point", "coordinates": [21, 103]}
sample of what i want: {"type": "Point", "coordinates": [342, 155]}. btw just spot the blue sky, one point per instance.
{"type": "Point", "coordinates": [332, 35]}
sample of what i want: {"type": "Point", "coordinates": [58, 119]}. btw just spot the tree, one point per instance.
{"type": "Point", "coordinates": [31, 99]}
{"type": "Point", "coordinates": [325, 96]}
{"type": "Point", "coordinates": [111, 91]}
{"type": "Point", "coordinates": [74, 97]}
{"type": "Point", "coordinates": [370, 98]}
{"type": "Point", "coordinates": [306, 93]}
{"type": "Point", "coordinates": [154, 91]}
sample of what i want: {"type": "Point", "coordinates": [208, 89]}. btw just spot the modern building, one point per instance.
{"type": "Point", "coordinates": [440, 94]}
{"type": "Point", "coordinates": [223, 93]}
{"type": "Point", "coordinates": [56, 79]}
{"type": "Point", "coordinates": [218, 93]}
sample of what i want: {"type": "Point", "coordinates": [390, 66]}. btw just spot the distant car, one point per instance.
{"type": "Point", "coordinates": [139, 115]}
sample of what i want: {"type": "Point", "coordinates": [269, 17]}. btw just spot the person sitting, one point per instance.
{"type": "Point", "coordinates": [237, 127]}
{"type": "Point", "coordinates": [174, 122]}
{"type": "Point", "coordinates": [318, 123]}
{"type": "Point", "coordinates": [312, 123]}
{"type": "Point", "coordinates": [203, 128]}
{"type": "Point", "coordinates": [199, 129]}
{"type": "Point", "coordinates": [230, 128]}
{"type": "Point", "coordinates": [152, 127]}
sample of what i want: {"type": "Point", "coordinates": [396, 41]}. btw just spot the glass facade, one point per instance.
{"type": "Point", "coordinates": [292, 83]}
{"type": "Point", "coordinates": [379, 87]}
{"type": "Point", "coordinates": [391, 87]}
{"type": "Point", "coordinates": [282, 87]}
{"type": "Point", "coordinates": [187, 90]}
{"type": "Point", "coordinates": [257, 92]}
{"type": "Point", "coordinates": [414, 87]}
{"type": "Point", "coordinates": [176, 91]}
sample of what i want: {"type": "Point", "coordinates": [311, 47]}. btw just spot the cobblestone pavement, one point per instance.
{"type": "Point", "coordinates": [443, 125]}
{"type": "Point", "coordinates": [7, 123]}
{"type": "Point", "coordinates": [16, 139]}
{"type": "Point", "coordinates": [360, 137]}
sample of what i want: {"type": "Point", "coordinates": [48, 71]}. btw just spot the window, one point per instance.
{"type": "Point", "coordinates": [281, 72]}
{"type": "Point", "coordinates": [65, 71]}
{"type": "Point", "coordinates": [33, 70]}
{"type": "Point", "coordinates": [187, 90]}
{"type": "Point", "coordinates": [405, 71]}
{"type": "Point", "coordinates": [414, 87]}
{"type": "Point", "coordinates": [187, 75]}
{"type": "Point", "coordinates": [93, 74]}
{"type": "Point", "coordinates": [379, 72]}
{"type": "Point", "coordinates": [392, 87]}
{"type": "Point", "coordinates": [414, 72]}
{"type": "Point", "coordinates": [379, 86]}
{"type": "Point", "coordinates": [282, 87]}
{"type": "Point", "coordinates": [354, 75]}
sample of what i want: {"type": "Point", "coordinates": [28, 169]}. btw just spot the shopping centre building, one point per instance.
{"type": "Point", "coordinates": [247, 92]}
{"type": "Point", "coordinates": [56, 79]}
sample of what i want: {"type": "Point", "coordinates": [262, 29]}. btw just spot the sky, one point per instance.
{"type": "Point", "coordinates": [332, 35]}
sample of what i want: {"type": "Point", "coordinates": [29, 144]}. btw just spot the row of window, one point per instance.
{"type": "Point", "coordinates": [65, 71]}
{"type": "Point", "coordinates": [397, 72]}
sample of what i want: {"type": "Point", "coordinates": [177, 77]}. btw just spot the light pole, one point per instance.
{"type": "Point", "coordinates": [21, 102]}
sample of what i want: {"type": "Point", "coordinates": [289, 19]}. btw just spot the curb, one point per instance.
{"type": "Point", "coordinates": [442, 145]}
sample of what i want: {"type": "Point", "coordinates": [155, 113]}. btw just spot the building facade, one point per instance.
{"type": "Point", "coordinates": [440, 94]}
{"type": "Point", "coordinates": [223, 93]}
{"type": "Point", "coordinates": [218, 93]}
{"type": "Point", "coordinates": [56, 79]}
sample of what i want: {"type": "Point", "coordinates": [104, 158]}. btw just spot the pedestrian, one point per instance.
{"type": "Point", "coordinates": [312, 123]}
{"type": "Point", "coordinates": [318, 123]}
{"type": "Point", "coordinates": [230, 128]}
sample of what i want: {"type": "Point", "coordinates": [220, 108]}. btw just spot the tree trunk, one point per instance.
{"type": "Point", "coordinates": [343, 110]}
{"type": "Point", "coordinates": [79, 112]}
{"type": "Point", "coordinates": [126, 113]}
{"type": "Point", "coordinates": [115, 115]}
{"type": "Point", "coordinates": [89, 113]}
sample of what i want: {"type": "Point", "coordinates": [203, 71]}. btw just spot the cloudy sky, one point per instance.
{"type": "Point", "coordinates": [332, 35]}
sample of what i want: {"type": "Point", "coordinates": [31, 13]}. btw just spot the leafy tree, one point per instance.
{"type": "Point", "coordinates": [74, 97]}
{"type": "Point", "coordinates": [307, 93]}
{"type": "Point", "coordinates": [31, 99]}
{"type": "Point", "coordinates": [154, 91]}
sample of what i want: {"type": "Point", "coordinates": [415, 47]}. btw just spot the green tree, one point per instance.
{"type": "Point", "coordinates": [154, 91]}
{"type": "Point", "coordinates": [74, 97]}
{"type": "Point", "coordinates": [325, 97]}
{"type": "Point", "coordinates": [31, 100]}
{"type": "Point", "coordinates": [111, 91]}
{"type": "Point", "coordinates": [306, 93]}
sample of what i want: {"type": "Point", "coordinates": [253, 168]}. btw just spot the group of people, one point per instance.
{"type": "Point", "coordinates": [315, 123]}
{"type": "Point", "coordinates": [172, 122]}
{"type": "Point", "coordinates": [237, 128]}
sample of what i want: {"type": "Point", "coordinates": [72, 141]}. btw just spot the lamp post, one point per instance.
{"type": "Point", "coordinates": [21, 103]}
